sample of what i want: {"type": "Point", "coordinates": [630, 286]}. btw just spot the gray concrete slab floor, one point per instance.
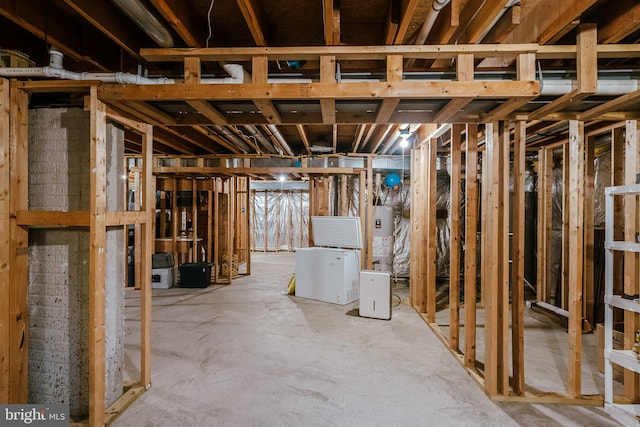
{"type": "Point", "coordinates": [247, 355]}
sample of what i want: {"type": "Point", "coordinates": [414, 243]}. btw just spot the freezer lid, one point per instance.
{"type": "Point", "coordinates": [337, 231]}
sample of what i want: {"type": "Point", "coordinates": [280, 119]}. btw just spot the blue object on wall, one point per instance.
{"type": "Point", "coordinates": [392, 180]}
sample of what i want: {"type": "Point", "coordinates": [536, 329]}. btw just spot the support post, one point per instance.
{"type": "Point", "coordinates": [589, 176]}
{"type": "Point", "coordinates": [97, 261]}
{"type": "Point", "coordinates": [362, 211]}
{"type": "Point", "coordinates": [216, 229]}
{"type": "Point", "coordinates": [370, 208]}
{"type": "Point", "coordinates": [517, 267]}
{"type": "Point", "coordinates": [147, 231]}
{"type": "Point", "coordinates": [5, 233]}
{"type": "Point", "coordinates": [631, 271]}
{"type": "Point", "coordinates": [470, 254]}
{"type": "Point", "coordinates": [432, 185]}
{"type": "Point", "coordinates": [454, 243]}
{"type": "Point", "coordinates": [541, 238]}
{"type": "Point", "coordinates": [575, 255]}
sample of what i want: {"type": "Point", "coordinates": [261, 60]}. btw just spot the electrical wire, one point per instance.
{"type": "Point", "coordinates": [209, 22]}
{"type": "Point", "coordinates": [399, 300]}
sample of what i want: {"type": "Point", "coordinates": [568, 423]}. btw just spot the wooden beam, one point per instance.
{"type": "Point", "coordinates": [328, 75]}
{"type": "Point", "coordinates": [576, 219]}
{"type": "Point", "coordinates": [432, 186]}
{"type": "Point", "coordinates": [97, 261]}
{"type": "Point", "coordinates": [393, 19]}
{"type": "Point", "coordinates": [184, 19]}
{"type": "Point", "coordinates": [362, 211]}
{"type": "Point", "coordinates": [470, 253]}
{"type": "Point", "coordinates": [35, 16]}
{"type": "Point", "coordinates": [18, 247]}
{"type": "Point", "coordinates": [394, 74]}
{"type": "Point", "coordinates": [331, 17]}
{"type": "Point", "coordinates": [368, 53]}
{"type": "Point", "coordinates": [407, 10]}
{"type": "Point", "coordinates": [358, 139]}
{"type": "Point", "coordinates": [304, 137]}
{"type": "Point", "coordinates": [525, 70]}
{"type": "Point", "coordinates": [618, 20]}
{"type": "Point", "coordinates": [631, 270]}
{"type": "Point", "coordinates": [589, 249]}
{"type": "Point", "coordinates": [5, 234]}
{"type": "Point", "coordinates": [541, 22]}
{"type": "Point", "coordinates": [255, 18]}
{"type": "Point", "coordinates": [260, 74]}
{"type": "Point", "coordinates": [464, 72]}
{"type": "Point", "coordinates": [106, 18]}
{"type": "Point", "coordinates": [148, 232]}
{"type": "Point", "coordinates": [505, 25]}
{"type": "Point", "coordinates": [517, 266]}
{"type": "Point", "coordinates": [617, 104]}
{"type": "Point", "coordinates": [454, 240]}
{"type": "Point", "coordinates": [294, 91]}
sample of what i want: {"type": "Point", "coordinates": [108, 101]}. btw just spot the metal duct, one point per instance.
{"type": "Point", "coordinates": [228, 135]}
{"type": "Point", "coordinates": [276, 133]}
{"type": "Point", "coordinates": [261, 139]}
{"type": "Point", "coordinates": [146, 20]}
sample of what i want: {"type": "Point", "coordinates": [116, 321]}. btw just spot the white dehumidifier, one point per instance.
{"type": "Point", "coordinates": [375, 294]}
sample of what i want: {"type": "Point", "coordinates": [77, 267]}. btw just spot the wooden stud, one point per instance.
{"type": "Point", "coordinates": [370, 208]}
{"type": "Point", "coordinates": [413, 230]}
{"type": "Point", "coordinates": [209, 225]}
{"type": "Point", "coordinates": [328, 74]}
{"type": "Point", "coordinates": [563, 293]}
{"type": "Point", "coordinates": [432, 186]}
{"type": "Point", "coordinates": [631, 271]}
{"type": "Point", "coordinates": [544, 165]}
{"type": "Point", "coordinates": [490, 261]}
{"type": "Point", "coordinates": [147, 231]}
{"type": "Point", "coordinates": [517, 244]}
{"type": "Point", "coordinates": [230, 224]}
{"type": "Point", "coordinates": [18, 247]}
{"type": "Point", "coordinates": [193, 256]}
{"type": "Point", "coordinates": [344, 205]}
{"type": "Point", "coordinates": [589, 267]}
{"type": "Point", "coordinates": [5, 232]}
{"type": "Point", "coordinates": [97, 261]}
{"type": "Point", "coordinates": [247, 203]}
{"type": "Point", "coordinates": [137, 233]}
{"type": "Point", "coordinates": [192, 70]}
{"type": "Point", "coordinates": [617, 178]}
{"type": "Point", "coordinates": [362, 212]}
{"type": "Point", "coordinates": [216, 229]}
{"type": "Point", "coordinates": [454, 255]}
{"type": "Point", "coordinates": [423, 207]}
{"type": "Point", "coordinates": [470, 254]}
{"type": "Point", "coordinates": [503, 259]}
{"type": "Point", "coordinates": [174, 219]}
{"type": "Point", "coordinates": [575, 189]}
{"type": "Point", "coordinates": [265, 223]}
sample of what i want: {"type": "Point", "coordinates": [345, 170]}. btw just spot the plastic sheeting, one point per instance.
{"type": "Point", "coordinates": [602, 179]}
{"type": "Point", "coordinates": [280, 220]}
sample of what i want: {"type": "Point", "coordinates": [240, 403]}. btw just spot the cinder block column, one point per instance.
{"type": "Point", "coordinates": [59, 262]}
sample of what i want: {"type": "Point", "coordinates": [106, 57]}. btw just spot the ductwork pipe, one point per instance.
{"type": "Point", "coordinates": [604, 87]}
{"type": "Point", "coordinates": [227, 134]}
{"type": "Point", "coordinates": [430, 20]}
{"type": "Point", "coordinates": [261, 139]}
{"type": "Point", "coordinates": [146, 20]}
{"type": "Point", "coordinates": [276, 133]}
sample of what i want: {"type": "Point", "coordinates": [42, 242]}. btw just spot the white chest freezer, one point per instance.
{"type": "Point", "coordinates": [331, 274]}
{"type": "Point", "coordinates": [327, 274]}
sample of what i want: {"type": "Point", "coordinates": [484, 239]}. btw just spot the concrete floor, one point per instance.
{"type": "Point", "coordinates": [246, 355]}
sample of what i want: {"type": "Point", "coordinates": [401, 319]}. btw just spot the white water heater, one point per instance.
{"type": "Point", "coordinates": [383, 227]}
